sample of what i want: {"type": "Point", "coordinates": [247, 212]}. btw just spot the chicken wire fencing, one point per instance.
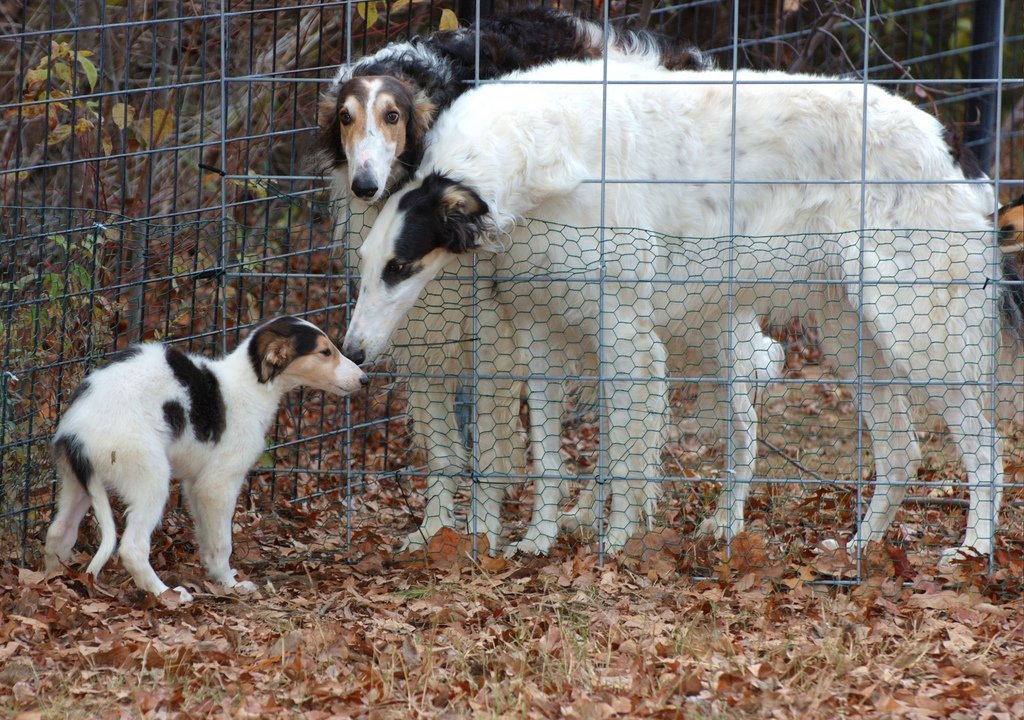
{"type": "Point", "coordinates": [161, 181]}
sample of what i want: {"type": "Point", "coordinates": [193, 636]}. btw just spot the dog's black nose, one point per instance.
{"type": "Point", "coordinates": [356, 355]}
{"type": "Point", "coordinates": [364, 188]}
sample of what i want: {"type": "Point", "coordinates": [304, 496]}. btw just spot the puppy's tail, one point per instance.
{"type": "Point", "coordinates": [108, 533]}
{"type": "Point", "coordinates": [1010, 221]}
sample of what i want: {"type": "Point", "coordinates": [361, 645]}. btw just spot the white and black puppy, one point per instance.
{"type": "Point", "coordinates": [154, 413]}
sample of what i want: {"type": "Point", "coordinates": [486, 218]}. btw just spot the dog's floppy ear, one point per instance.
{"type": "Point", "coordinates": [271, 351]}
{"type": "Point", "coordinates": [461, 212]}
{"type": "Point", "coordinates": [328, 107]}
{"type": "Point", "coordinates": [422, 119]}
{"type": "Point", "coordinates": [329, 137]}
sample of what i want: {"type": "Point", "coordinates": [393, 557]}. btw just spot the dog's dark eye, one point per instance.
{"type": "Point", "coordinates": [345, 117]}
{"type": "Point", "coordinates": [326, 352]}
{"type": "Point", "coordinates": [392, 117]}
{"type": "Point", "coordinates": [396, 271]}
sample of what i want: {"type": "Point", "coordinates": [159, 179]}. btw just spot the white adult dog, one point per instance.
{"type": "Point", "coordinates": [812, 209]}
{"type": "Point", "coordinates": [154, 413]}
{"type": "Point", "coordinates": [374, 118]}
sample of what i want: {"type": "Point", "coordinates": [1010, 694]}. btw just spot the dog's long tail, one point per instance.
{"type": "Point", "coordinates": [108, 532]}
{"type": "Point", "coordinates": [1010, 221]}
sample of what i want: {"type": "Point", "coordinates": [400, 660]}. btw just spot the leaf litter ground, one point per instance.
{"type": "Point", "coordinates": [675, 627]}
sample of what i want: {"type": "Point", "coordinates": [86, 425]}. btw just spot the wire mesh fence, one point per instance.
{"type": "Point", "coordinates": [161, 181]}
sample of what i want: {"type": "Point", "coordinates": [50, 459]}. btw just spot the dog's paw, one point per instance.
{"type": "Point", "coordinates": [535, 543]}
{"type": "Point", "coordinates": [950, 556]}
{"type": "Point", "coordinates": [415, 540]}
{"type": "Point", "coordinates": [576, 519]}
{"type": "Point", "coordinates": [721, 525]}
{"type": "Point", "coordinates": [615, 540]}
{"type": "Point", "coordinates": [184, 596]}
{"type": "Point", "coordinates": [244, 587]}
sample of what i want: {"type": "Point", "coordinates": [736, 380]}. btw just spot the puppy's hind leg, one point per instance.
{"type": "Point", "coordinates": [72, 504]}
{"type": "Point", "coordinates": [144, 496]}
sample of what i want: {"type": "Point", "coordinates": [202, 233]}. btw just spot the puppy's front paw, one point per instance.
{"type": "Point", "coordinates": [184, 596]}
{"type": "Point", "coordinates": [244, 587]}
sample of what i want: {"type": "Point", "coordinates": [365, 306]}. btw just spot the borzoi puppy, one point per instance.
{"type": "Point", "coordinates": [806, 209]}
{"type": "Point", "coordinates": [155, 413]}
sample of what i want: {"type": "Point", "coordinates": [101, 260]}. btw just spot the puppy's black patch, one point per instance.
{"type": "Point", "coordinates": [79, 392]}
{"type": "Point", "coordinates": [174, 416]}
{"type": "Point", "coordinates": [124, 355]}
{"type": "Point", "coordinates": [72, 449]}
{"type": "Point", "coordinates": [206, 404]}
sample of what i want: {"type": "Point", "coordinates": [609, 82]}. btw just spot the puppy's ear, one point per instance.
{"type": "Point", "coordinates": [461, 212]}
{"type": "Point", "coordinates": [270, 353]}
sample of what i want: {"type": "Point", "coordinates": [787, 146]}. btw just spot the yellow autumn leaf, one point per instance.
{"type": "Point", "coordinates": [399, 5]}
{"type": "Point", "coordinates": [368, 12]}
{"type": "Point", "coordinates": [59, 134]}
{"type": "Point", "coordinates": [153, 130]}
{"type": "Point", "coordinates": [448, 20]}
{"type": "Point", "coordinates": [122, 115]}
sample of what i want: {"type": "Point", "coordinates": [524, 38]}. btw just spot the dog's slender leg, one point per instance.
{"type": "Point", "coordinates": [972, 432]}
{"type": "Point", "coordinates": [756, 358]}
{"type": "Point", "coordinates": [432, 410]}
{"type": "Point", "coordinates": [897, 458]}
{"type": "Point", "coordinates": [546, 403]}
{"type": "Point", "coordinates": [636, 416]}
{"type": "Point", "coordinates": [72, 504]}
{"type": "Point", "coordinates": [144, 499]}
{"type": "Point", "coordinates": [957, 337]}
{"type": "Point", "coordinates": [895, 449]}
{"type": "Point", "coordinates": [499, 451]}
{"type": "Point", "coordinates": [211, 500]}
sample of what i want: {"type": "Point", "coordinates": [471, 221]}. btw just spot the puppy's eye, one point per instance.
{"type": "Point", "coordinates": [326, 352]}
{"type": "Point", "coordinates": [392, 117]}
{"type": "Point", "coordinates": [345, 117]}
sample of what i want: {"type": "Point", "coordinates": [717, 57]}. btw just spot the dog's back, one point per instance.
{"type": "Point", "coordinates": [149, 400]}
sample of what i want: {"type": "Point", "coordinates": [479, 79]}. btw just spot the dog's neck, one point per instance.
{"type": "Point", "coordinates": [242, 389]}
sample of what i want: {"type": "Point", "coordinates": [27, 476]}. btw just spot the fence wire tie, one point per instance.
{"type": "Point", "coordinates": [11, 377]}
{"type": "Point", "coordinates": [211, 168]}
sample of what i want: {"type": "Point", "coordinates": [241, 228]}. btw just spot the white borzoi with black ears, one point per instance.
{"type": "Point", "coordinates": [813, 221]}
{"type": "Point", "coordinates": [154, 413]}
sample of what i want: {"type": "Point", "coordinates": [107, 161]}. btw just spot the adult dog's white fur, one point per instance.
{"type": "Point", "coordinates": [815, 220]}
{"type": "Point", "coordinates": [156, 413]}
{"type": "Point", "coordinates": [435, 340]}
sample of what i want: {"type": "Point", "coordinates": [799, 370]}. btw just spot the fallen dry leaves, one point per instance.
{"type": "Point", "coordinates": [341, 626]}
{"type": "Point", "coordinates": [441, 634]}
